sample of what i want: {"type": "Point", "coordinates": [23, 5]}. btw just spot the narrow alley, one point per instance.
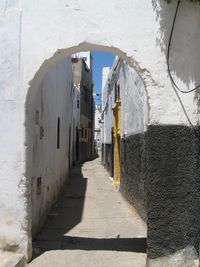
{"type": "Point", "coordinates": [91, 225]}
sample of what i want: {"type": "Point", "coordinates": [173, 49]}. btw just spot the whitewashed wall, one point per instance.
{"type": "Point", "coordinates": [97, 117]}
{"type": "Point", "coordinates": [107, 103]}
{"type": "Point", "coordinates": [14, 226]}
{"type": "Point", "coordinates": [134, 112]}
{"type": "Point", "coordinates": [97, 126]}
{"type": "Point", "coordinates": [34, 35]}
{"type": "Point", "coordinates": [49, 165]}
{"type": "Point", "coordinates": [134, 115]}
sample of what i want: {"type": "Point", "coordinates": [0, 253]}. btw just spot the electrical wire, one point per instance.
{"type": "Point", "coordinates": [168, 56]}
{"type": "Point", "coordinates": [175, 86]}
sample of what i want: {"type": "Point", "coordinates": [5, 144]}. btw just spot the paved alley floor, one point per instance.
{"type": "Point", "coordinates": [91, 225]}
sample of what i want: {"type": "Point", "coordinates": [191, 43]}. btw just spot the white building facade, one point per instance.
{"type": "Point", "coordinates": [97, 127]}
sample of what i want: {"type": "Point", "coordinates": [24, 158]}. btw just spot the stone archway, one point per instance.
{"type": "Point", "coordinates": [31, 100]}
{"type": "Point", "coordinates": [32, 32]}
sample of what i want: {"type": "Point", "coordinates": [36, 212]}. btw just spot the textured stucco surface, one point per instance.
{"type": "Point", "coordinates": [173, 190]}
{"type": "Point", "coordinates": [134, 172]}
{"type": "Point", "coordinates": [160, 176]}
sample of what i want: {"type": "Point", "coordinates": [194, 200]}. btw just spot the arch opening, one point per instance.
{"type": "Point", "coordinates": [43, 100]}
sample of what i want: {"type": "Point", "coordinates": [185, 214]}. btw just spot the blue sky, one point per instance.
{"type": "Point", "coordinates": [100, 60]}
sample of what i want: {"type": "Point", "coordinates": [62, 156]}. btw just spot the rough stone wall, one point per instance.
{"type": "Point", "coordinates": [173, 189]}
{"type": "Point", "coordinates": [134, 172]}
{"type": "Point", "coordinates": [160, 177]}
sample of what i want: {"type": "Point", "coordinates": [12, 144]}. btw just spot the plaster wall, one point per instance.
{"type": "Point", "coordinates": [108, 101]}
{"type": "Point", "coordinates": [13, 213]}
{"type": "Point", "coordinates": [105, 73]}
{"type": "Point", "coordinates": [134, 101]}
{"type": "Point", "coordinates": [135, 110]}
{"type": "Point", "coordinates": [151, 29]}
{"type": "Point", "coordinates": [48, 150]}
{"type": "Point", "coordinates": [155, 178]}
{"type": "Point", "coordinates": [36, 35]}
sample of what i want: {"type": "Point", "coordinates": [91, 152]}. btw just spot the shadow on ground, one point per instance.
{"type": "Point", "coordinates": [66, 214]}
{"type": "Point", "coordinates": [81, 243]}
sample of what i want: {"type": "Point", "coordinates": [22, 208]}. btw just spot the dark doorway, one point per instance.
{"type": "Point", "coordinates": [69, 152]}
{"type": "Point", "coordinates": [77, 144]}
{"type": "Point", "coordinates": [112, 154]}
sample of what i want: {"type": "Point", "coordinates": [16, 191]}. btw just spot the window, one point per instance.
{"type": "Point", "coordinates": [85, 133]}
{"type": "Point", "coordinates": [37, 116]}
{"type": "Point", "coordinates": [85, 92]}
{"type": "Point", "coordinates": [82, 132]}
{"type": "Point", "coordinates": [78, 103]}
{"type": "Point", "coordinates": [58, 133]}
{"type": "Point", "coordinates": [39, 185]}
{"type": "Point", "coordinates": [118, 91]}
{"type": "Point", "coordinates": [115, 92]}
{"type": "Point", "coordinates": [86, 95]}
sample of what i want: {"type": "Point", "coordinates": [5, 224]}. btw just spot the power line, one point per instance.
{"type": "Point", "coordinates": [168, 56]}
{"type": "Point", "coordinates": [174, 85]}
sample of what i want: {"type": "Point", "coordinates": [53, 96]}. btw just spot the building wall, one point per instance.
{"type": "Point", "coordinates": [107, 103]}
{"type": "Point", "coordinates": [76, 123]}
{"type": "Point", "coordinates": [49, 152]}
{"type": "Point", "coordinates": [134, 120]}
{"type": "Point", "coordinates": [83, 81]}
{"type": "Point", "coordinates": [36, 35]}
{"type": "Point", "coordinates": [107, 118]}
{"type": "Point", "coordinates": [154, 175]}
{"type": "Point", "coordinates": [97, 127]}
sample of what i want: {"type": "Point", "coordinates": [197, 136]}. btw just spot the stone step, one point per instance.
{"type": "Point", "coordinates": [9, 259]}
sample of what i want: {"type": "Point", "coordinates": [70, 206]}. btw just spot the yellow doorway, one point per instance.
{"type": "Point", "coordinates": [117, 140]}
